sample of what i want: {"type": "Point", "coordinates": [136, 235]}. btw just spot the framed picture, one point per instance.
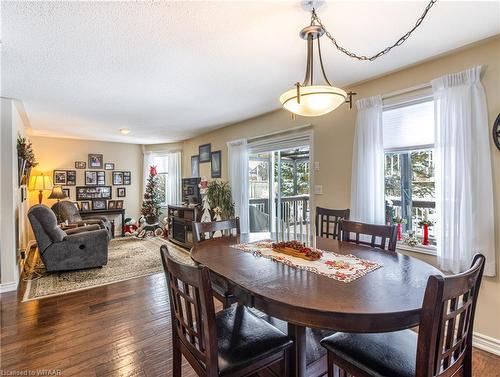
{"type": "Point", "coordinates": [112, 204]}
{"type": "Point", "coordinates": [84, 206]}
{"type": "Point", "coordinates": [95, 161]}
{"type": "Point", "coordinates": [93, 192]}
{"type": "Point", "coordinates": [109, 166]}
{"type": "Point", "coordinates": [121, 192]}
{"type": "Point", "coordinates": [127, 178]}
{"type": "Point", "coordinates": [119, 204]}
{"type": "Point", "coordinates": [76, 205]}
{"type": "Point", "coordinates": [71, 177]}
{"type": "Point", "coordinates": [60, 177]}
{"type": "Point", "coordinates": [101, 178]}
{"type": "Point", "coordinates": [98, 204]}
{"type": "Point", "coordinates": [216, 167]}
{"type": "Point", "coordinates": [80, 165]}
{"type": "Point", "coordinates": [195, 166]}
{"type": "Point", "coordinates": [117, 178]}
{"type": "Point", "coordinates": [90, 178]}
{"type": "Point", "coordinates": [204, 152]}
{"type": "Point", "coordinates": [66, 192]}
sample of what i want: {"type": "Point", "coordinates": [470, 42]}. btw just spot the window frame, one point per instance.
{"type": "Point", "coordinates": [424, 249]}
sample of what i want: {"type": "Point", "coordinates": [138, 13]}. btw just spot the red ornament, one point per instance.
{"type": "Point", "coordinates": [425, 241]}
{"type": "Point", "coordinates": [399, 232]}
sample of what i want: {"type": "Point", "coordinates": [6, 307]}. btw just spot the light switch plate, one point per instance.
{"type": "Point", "coordinates": [318, 189]}
{"type": "Point", "coordinates": [316, 165]}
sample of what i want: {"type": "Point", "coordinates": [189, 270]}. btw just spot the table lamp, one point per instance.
{"type": "Point", "coordinates": [40, 182]}
{"type": "Point", "coordinates": [57, 193]}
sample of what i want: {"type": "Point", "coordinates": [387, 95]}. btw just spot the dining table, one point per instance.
{"type": "Point", "coordinates": [388, 298]}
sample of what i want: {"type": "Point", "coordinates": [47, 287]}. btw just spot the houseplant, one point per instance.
{"type": "Point", "coordinates": [219, 195]}
{"type": "Point", "coordinates": [25, 158]}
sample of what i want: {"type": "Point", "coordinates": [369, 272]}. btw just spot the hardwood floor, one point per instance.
{"type": "Point", "coordinates": [121, 329]}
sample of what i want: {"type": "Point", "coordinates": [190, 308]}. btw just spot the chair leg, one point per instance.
{"type": "Point", "coordinates": [176, 358]}
{"type": "Point", "coordinates": [286, 363]}
{"type": "Point", "coordinates": [331, 366]}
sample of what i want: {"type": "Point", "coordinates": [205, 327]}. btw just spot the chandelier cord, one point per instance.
{"type": "Point", "coordinates": [400, 41]}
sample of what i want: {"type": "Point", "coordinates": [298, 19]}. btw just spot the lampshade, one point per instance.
{"type": "Point", "coordinates": [57, 193]}
{"type": "Point", "coordinates": [40, 182]}
{"type": "Point", "coordinates": [315, 100]}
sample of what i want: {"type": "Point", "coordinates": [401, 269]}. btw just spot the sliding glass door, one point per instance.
{"type": "Point", "coordinates": [279, 188]}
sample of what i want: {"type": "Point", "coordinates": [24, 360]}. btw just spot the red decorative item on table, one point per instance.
{"type": "Point", "coordinates": [425, 241]}
{"type": "Point", "coordinates": [400, 221]}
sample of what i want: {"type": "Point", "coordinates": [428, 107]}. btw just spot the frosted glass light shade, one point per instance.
{"type": "Point", "coordinates": [315, 100]}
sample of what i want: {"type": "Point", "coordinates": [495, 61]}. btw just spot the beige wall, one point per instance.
{"type": "Point", "coordinates": [54, 154]}
{"type": "Point", "coordinates": [333, 139]}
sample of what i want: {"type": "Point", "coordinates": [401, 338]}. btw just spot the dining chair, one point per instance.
{"type": "Point", "coordinates": [233, 342]}
{"type": "Point", "coordinates": [200, 230]}
{"type": "Point", "coordinates": [221, 288]}
{"type": "Point", "coordinates": [442, 347]}
{"type": "Point", "coordinates": [328, 221]}
{"type": "Point", "coordinates": [386, 234]}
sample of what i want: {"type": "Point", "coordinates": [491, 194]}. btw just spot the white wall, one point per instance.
{"type": "Point", "coordinates": [12, 212]}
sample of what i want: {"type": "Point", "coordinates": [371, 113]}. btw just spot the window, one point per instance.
{"type": "Point", "coordinates": [161, 163]}
{"type": "Point", "coordinates": [409, 165]}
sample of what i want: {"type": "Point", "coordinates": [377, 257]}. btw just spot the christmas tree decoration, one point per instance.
{"type": "Point", "coordinates": [217, 217]}
{"type": "Point", "coordinates": [206, 215]}
{"type": "Point", "coordinates": [151, 206]}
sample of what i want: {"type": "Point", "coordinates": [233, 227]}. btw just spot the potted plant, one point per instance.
{"type": "Point", "coordinates": [219, 196]}
{"type": "Point", "coordinates": [400, 221]}
{"type": "Point", "coordinates": [25, 158]}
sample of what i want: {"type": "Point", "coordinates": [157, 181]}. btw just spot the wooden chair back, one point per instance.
{"type": "Point", "coordinates": [328, 221]}
{"type": "Point", "coordinates": [227, 227]}
{"type": "Point", "coordinates": [193, 313]}
{"type": "Point", "coordinates": [445, 335]}
{"type": "Point", "coordinates": [381, 236]}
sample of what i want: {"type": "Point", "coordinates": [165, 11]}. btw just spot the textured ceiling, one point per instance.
{"type": "Point", "coordinates": [172, 70]}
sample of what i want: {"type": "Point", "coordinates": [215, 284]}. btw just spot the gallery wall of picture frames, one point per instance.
{"type": "Point", "coordinates": [93, 193]}
{"type": "Point", "coordinates": [205, 154]}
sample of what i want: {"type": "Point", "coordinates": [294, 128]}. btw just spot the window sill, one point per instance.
{"type": "Point", "coordinates": [429, 250]}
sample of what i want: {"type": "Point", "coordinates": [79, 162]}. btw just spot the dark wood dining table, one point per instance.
{"type": "Point", "coordinates": [386, 299]}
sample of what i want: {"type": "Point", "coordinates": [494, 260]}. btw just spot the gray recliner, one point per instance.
{"type": "Point", "coordinates": [66, 211]}
{"type": "Point", "coordinates": [78, 248]}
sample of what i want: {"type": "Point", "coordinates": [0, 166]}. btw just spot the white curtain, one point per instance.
{"type": "Point", "coordinates": [238, 178]}
{"type": "Point", "coordinates": [367, 182]}
{"type": "Point", "coordinates": [464, 185]}
{"type": "Point", "coordinates": [147, 162]}
{"type": "Point", "coordinates": [174, 178]}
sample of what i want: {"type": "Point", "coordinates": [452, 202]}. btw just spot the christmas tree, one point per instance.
{"type": "Point", "coordinates": [151, 206]}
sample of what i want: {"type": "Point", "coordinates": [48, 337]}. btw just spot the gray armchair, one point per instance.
{"type": "Point", "coordinates": [66, 211]}
{"type": "Point", "coordinates": [78, 248]}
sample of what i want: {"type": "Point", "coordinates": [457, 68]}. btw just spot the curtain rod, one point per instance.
{"type": "Point", "coordinates": [407, 90]}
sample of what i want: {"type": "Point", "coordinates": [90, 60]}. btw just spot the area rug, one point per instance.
{"type": "Point", "coordinates": [128, 258]}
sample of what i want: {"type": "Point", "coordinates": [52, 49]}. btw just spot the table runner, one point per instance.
{"type": "Point", "coordinates": [344, 268]}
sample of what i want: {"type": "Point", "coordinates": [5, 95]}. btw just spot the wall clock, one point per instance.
{"type": "Point", "coordinates": [496, 132]}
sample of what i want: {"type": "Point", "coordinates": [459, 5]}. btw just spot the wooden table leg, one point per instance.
{"type": "Point", "coordinates": [298, 354]}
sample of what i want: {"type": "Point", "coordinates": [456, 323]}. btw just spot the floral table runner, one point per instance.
{"type": "Point", "coordinates": [344, 268]}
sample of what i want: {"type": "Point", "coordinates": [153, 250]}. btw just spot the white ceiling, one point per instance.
{"type": "Point", "coordinates": [172, 70]}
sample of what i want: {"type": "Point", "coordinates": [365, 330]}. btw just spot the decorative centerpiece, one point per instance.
{"type": "Point", "coordinates": [426, 224]}
{"type": "Point", "coordinates": [400, 221]}
{"type": "Point", "coordinates": [297, 249]}
{"type": "Point", "coordinates": [410, 239]}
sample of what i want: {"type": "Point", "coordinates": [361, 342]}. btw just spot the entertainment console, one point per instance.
{"type": "Point", "coordinates": [180, 224]}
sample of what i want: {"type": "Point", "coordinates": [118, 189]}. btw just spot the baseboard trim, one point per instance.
{"type": "Point", "coordinates": [486, 343]}
{"type": "Point", "coordinates": [8, 287]}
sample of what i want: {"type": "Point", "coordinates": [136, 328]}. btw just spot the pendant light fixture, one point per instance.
{"type": "Point", "coordinates": [309, 99]}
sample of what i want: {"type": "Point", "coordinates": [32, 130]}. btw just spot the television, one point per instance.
{"type": "Point", "coordinates": [191, 190]}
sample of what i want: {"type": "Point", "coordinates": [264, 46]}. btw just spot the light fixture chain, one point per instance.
{"type": "Point", "coordinates": [315, 18]}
